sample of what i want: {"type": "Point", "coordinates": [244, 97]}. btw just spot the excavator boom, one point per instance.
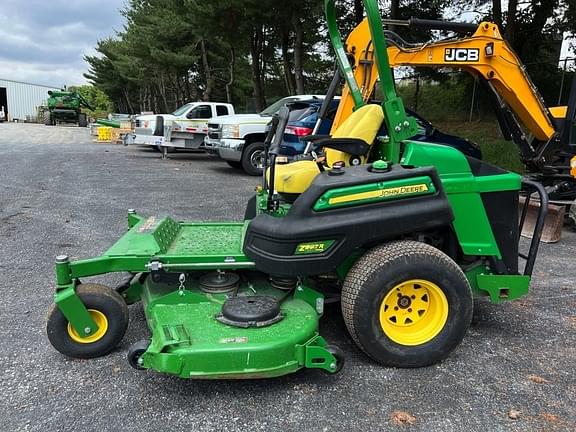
{"type": "Point", "coordinates": [485, 53]}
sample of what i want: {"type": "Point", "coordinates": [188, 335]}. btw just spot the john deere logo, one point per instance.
{"type": "Point", "coordinates": [313, 247]}
{"type": "Point", "coordinates": [381, 193]}
{"type": "Point", "coordinates": [404, 190]}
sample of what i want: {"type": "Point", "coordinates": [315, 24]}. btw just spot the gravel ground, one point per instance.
{"type": "Point", "coordinates": [63, 193]}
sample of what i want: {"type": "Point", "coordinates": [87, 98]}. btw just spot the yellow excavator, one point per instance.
{"type": "Point", "coordinates": [545, 136]}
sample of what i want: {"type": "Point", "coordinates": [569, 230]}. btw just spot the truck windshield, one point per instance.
{"type": "Point", "coordinates": [180, 111]}
{"type": "Point", "coordinates": [273, 109]}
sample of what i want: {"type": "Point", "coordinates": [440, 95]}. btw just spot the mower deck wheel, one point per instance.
{"type": "Point", "coordinates": [340, 359]}
{"type": "Point", "coordinates": [135, 353]}
{"type": "Point", "coordinates": [108, 310]}
{"type": "Point", "coordinates": [406, 304]}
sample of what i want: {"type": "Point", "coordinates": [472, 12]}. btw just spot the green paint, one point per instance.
{"type": "Point", "coordinates": [344, 267]}
{"type": "Point", "coordinates": [463, 190]}
{"type": "Point", "coordinates": [399, 125]}
{"type": "Point", "coordinates": [374, 192]}
{"type": "Point", "coordinates": [317, 357]}
{"type": "Point", "coordinates": [310, 296]}
{"type": "Point", "coordinates": [133, 219]}
{"type": "Point", "coordinates": [503, 287]}
{"type": "Point", "coordinates": [74, 310]}
{"type": "Point", "coordinates": [499, 288]}
{"type": "Point", "coordinates": [63, 273]}
{"type": "Point", "coordinates": [316, 247]}
{"type": "Point", "coordinates": [133, 293]}
{"type": "Point", "coordinates": [188, 341]}
{"type": "Point", "coordinates": [177, 245]}
{"type": "Point", "coordinates": [380, 165]}
{"type": "Point", "coordinates": [472, 274]}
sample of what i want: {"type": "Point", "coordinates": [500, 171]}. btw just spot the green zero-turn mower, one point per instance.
{"type": "Point", "coordinates": [409, 235]}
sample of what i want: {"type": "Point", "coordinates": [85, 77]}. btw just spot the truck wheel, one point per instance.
{"type": "Point", "coordinates": [406, 304]}
{"type": "Point", "coordinates": [234, 164]}
{"type": "Point", "coordinates": [48, 118]}
{"type": "Point", "coordinates": [82, 120]}
{"type": "Point", "coordinates": [109, 311]}
{"type": "Point", "coordinates": [253, 158]}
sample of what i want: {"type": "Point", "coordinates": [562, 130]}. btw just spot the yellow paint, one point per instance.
{"type": "Point", "coordinates": [413, 312]}
{"type": "Point", "coordinates": [295, 178]}
{"type": "Point", "coordinates": [102, 323]}
{"type": "Point", "coordinates": [573, 166]}
{"type": "Point", "coordinates": [558, 112]}
{"type": "Point", "coordinates": [363, 124]}
{"type": "Point", "coordinates": [380, 193]}
{"type": "Point", "coordinates": [502, 69]}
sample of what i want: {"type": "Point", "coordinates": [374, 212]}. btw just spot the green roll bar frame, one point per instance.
{"type": "Point", "coordinates": [400, 126]}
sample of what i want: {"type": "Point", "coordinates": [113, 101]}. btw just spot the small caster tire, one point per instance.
{"type": "Point", "coordinates": [135, 353]}
{"type": "Point", "coordinates": [340, 359]}
{"type": "Point", "coordinates": [109, 311]}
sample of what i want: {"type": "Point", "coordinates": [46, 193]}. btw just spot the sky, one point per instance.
{"type": "Point", "coordinates": [44, 41]}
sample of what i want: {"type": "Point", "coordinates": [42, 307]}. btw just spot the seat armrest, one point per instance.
{"type": "Point", "coordinates": [353, 146]}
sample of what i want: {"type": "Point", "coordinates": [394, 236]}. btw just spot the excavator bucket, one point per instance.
{"type": "Point", "coordinates": [554, 220]}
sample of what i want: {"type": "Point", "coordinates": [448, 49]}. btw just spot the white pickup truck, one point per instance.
{"type": "Point", "coordinates": [239, 139]}
{"type": "Point", "coordinates": [185, 128]}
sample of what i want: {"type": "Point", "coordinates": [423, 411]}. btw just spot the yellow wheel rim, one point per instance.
{"type": "Point", "coordinates": [102, 323]}
{"type": "Point", "coordinates": [413, 312]}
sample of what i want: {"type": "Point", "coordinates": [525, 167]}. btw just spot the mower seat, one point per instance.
{"type": "Point", "coordinates": [363, 124]}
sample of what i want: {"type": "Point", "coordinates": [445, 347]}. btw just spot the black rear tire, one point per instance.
{"type": "Point", "coordinates": [102, 301]}
{"type": "Point", "coordinates": [48, 118]}
{"type": "Point", "coordinates": [406, 304]}
{"type": "Point", "coordinates": [253, 158]}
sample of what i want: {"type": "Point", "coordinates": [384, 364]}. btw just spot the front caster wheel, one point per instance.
{"type": "Point", "coordinates": [107, 309]}
{"type": "Point", "coordinates": [406, 304]}
{"type": "Point", "coordinates": [339, 355]}
{"type": "Point", "coordinates": [135, 353]}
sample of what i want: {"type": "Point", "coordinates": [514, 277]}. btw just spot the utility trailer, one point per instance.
{"type": "Point", "coordinates": [185, 128]}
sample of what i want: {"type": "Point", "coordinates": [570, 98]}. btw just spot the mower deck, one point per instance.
{"type": "Point", "coordinates": [189, 341]}
{"type": "Point", "coordinates": [191, 337]}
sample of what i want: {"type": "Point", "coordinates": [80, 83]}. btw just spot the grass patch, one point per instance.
{"type": "Point", "coordinates": [486, 134]}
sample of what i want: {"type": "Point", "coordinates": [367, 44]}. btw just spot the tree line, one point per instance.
{"type": "Point", "coordinates": [249, 52]}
